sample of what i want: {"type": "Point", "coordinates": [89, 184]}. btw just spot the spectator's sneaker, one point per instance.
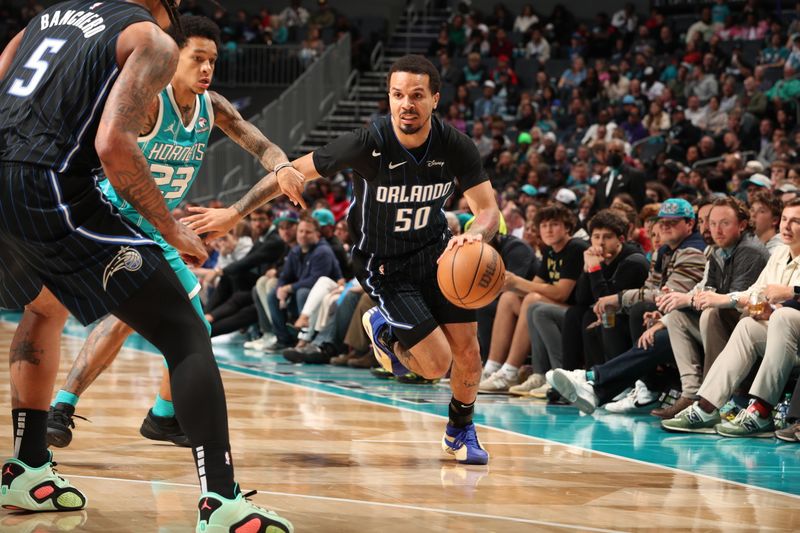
{"type": "Point", "coordinates": [235, 337]}
{"type": "Point", "coordinates": [216, 514]}
{"type": "Point", "coordinates": [59, 422]}
{"type": "Point", "coordinates": [163, 428]}
{"type": "Point", "coordinates": [377, 330]}
{"type": "Point", "coordinates": [366, 360]}
{"type": "Point", "coordinates": [415, 379]}
{"type": "Point", "coordinates": [275, 346]}
{"type": "Point", "coordinates": [729, 410]}
{"type": "Point", "coordinates": [24, 488]}
{"type": "Point", "coordinates": [542, 392]}
{"type": "Point", "coordinates": [310, 354]}
{"type": "Point", "coordinates": [670, 411]}
{"type": "Point", "coordinates": [748, 423]}
{"type": "Point", "coordinates": [534, 381]}
{"type": "Point", "coordinates": [692, 420]}
{"type": "Point", "coordinates": [575, 389]}
{"type": "Point", "coordinates": [639, 400]}
{"type": "Point", "coordinates": [497, 382]}
{"type": "Point", "coordinates": [789, 434]}
{"type": "Point", "coordinates": [261, 343]}
{"type": "Point", "coordinates": [463, 444]}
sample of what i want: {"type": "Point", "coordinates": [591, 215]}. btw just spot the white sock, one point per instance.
{"type": "Point", "coordinates": [509, 371]}
{"type": "Point", "coordinates": [491, 367]}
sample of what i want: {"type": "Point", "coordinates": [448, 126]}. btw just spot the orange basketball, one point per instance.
{"type": "Point", "coordinates": [471, 276]}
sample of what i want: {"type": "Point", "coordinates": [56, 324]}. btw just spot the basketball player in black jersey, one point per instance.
{"type": "Point", "coordinates": [405, 165]}
{"type": "Point", "coordinates": [74, 89]}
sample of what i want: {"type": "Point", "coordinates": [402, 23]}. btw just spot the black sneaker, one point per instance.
{"type": "Point", "coordinates": [164, 428]}
{"type": "Point", "coordinates": [59, 422]}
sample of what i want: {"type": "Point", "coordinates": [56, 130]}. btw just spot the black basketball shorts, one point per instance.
{"type": "Point", "coordinates": [60, 232]}
{"type": "Point", "coordinates": [408, 294]}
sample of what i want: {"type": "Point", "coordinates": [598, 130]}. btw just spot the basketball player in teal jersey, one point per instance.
{"type": "Point", "coordinates": [173, 142]}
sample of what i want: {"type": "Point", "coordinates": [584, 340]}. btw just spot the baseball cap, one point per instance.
{"type": "Point", "coordinates": [566, 196]}
{"type": "Point", "coordinates": [754, 166]}
{"type": "Point", "coordinates": [524, 138]}
{"type": "Point", "coordinates": [677, 109]}
{"type": "Point", "coordinates": [287, 215]}
{"type": "Point", "coordinates": [489, 83]}
{"type": "Point", "coordinates": [759, 180]}
{"type": "Point", "coordinates": [788, 187]}
{"type": "Point", "coordinates": [324, 217]}
{"type": "Point", "coordinates": [648, 71]}
{"type": "Point", "coordinates": [550, 136]}
{"type": "Point", "coordinates": [628, 99]}
{"type": "Point", "coordinates": [529, 189]}
{"type": "Point", "coordinates": [676, 208]}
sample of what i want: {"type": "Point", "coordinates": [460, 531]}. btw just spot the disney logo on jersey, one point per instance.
{"type": "Point", "coordinates": [202, 125]}
{"type": "Point", "coordinates": [435, 164]}
{"type": "Point", "coordinates": [413, 193]}
{"type": "Point", "coordinates": [89, 23]}
{"type": "Point", "coordinates": [126, 259]}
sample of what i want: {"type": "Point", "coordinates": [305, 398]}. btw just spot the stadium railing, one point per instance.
{"type": "Point", "coordinates": [259, 65]}
{"type": "Point", "coordinates": [228, 170]}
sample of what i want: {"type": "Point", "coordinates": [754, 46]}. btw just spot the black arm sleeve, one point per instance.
{"type": "Point", "coordinates": [464, 161]}
{"type": "Point", "coordinates": [351, 150]}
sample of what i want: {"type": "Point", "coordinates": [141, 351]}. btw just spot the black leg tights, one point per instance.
{"type": "Point", "coordinates": [161, 312]}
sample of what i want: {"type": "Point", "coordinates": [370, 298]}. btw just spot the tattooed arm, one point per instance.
{"type": "Point", "coordinates": [217, 222]}
{"type": "Point", "coordinates": [245, 134]}
{"type": "Point", "coordinates": [148, 58]}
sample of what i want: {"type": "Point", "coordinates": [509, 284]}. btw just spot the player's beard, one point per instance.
{"type": "Point", "coordinates": [409, 129]}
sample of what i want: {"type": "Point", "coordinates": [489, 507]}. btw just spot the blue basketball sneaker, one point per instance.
{"type": "Point", "coordinates": [378, 331]}
{"type": "Point", "coordinates": [463, 444]}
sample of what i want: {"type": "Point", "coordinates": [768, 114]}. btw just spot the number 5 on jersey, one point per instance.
{"type": "Point", "coordinates": [38, 65]}
{"type": "Point", "coordinates": [406, 215]}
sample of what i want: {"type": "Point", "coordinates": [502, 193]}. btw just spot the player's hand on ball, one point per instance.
{"type": "Point", "coordinates": [292, 182]}
{"type": "Point", "coordinates": [187, 243]}
{"type": "Point", "coordinates": [461, 240]}
{"type": "Point", "coordinates": [213, 223]}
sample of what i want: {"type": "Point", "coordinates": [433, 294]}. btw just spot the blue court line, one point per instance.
{"type": "Point", "coordinates": [763, 463]}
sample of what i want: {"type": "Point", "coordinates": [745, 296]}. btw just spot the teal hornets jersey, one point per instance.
{"type": "Point", "coordinates": [174, 151]}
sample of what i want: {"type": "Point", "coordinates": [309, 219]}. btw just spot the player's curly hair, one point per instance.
{"type": "Point", "coordinates": [195, 26]}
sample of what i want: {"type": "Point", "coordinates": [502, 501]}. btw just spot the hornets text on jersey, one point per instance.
{"type": "Point", "coordinates": [173, 150]}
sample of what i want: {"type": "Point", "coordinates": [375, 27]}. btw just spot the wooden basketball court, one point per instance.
{"type": "Point", "coordinates": [334, 464]}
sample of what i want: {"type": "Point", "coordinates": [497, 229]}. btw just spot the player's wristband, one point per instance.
{"type": "Point", "coordinates": [596, 268]}
{"type": "Point", "coordinates": [281, 166]}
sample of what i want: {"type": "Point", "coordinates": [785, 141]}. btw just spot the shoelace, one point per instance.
{"type": "Point", "coordinates": [64, 418]}
{"type": "Point", "coordinates": [465, 436]}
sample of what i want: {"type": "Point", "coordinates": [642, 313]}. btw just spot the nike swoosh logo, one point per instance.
{"type": "Point", "coordinates": [393, 166]}
{"type": "Point", "coordinates": [375, 153]}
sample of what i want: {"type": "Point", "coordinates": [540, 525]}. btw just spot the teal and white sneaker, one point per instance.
{"type": "Point", "coordinates": [216, 514]}
{"type": "Point", "coordinates": [748, 423]}
{"type": "Point", "coordinates": [25, 488]}
{"type": "Point", "coordinates": [693, 420]}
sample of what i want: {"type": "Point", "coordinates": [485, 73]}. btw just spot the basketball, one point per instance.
{"type": "Point", "coordinates": [471, 276]}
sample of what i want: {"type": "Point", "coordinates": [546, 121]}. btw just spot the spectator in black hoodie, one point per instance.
{"type": "Point", "coordinates": [610, 265]}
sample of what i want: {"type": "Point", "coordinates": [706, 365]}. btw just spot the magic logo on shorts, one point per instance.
{"type": "Point", "coordinates": [126, 259]}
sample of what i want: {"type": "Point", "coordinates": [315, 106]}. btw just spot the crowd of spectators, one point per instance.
{"type": "Point", "coordinates": [649, 190]}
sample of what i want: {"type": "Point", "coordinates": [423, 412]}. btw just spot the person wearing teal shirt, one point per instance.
{"type": "Point", "coordinates": [173, 140]}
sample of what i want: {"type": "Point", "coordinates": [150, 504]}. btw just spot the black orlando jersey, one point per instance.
{"type": "Point", "coordinates": [53, 94]}
{"type": "Point", "coordinates": [399, 194]}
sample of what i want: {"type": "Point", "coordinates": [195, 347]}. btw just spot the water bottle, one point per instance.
{"type": "Point", "coordinates": [781, 411]}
